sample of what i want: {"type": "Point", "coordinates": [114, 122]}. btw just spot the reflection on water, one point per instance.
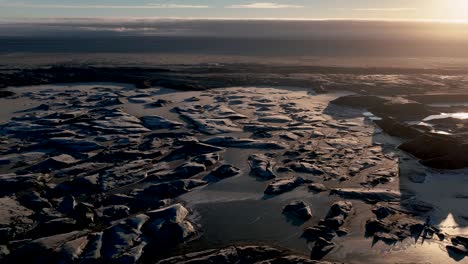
{"type": "Point", "coordinates": [418, 123]}
{"type": "Point", "coordinates": [460, 115]}
{"type": "Point", "coordinates": [450, 225]}
{"type": "Point", "coordinates": [446, 191]}
{"type": "Point", "coordinates": [448, 104]}
{"type": "Point", "coordinates": [441, 132]}
{"type": "Point", "coordinates": [430, 126]}
{"type": "Point", "coordinates": [371, 116]}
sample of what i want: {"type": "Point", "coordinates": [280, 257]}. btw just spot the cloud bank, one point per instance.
{"type": "Point", "coordinates": [264, 5]}
{"type": "Point", "coordinates": [87, 6]}
{"type": "Point", "coordinates": [255, 5]}
{"type": "Point", "coordinates": [397, 9]}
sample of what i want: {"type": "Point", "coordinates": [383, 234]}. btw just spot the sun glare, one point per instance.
{"type": "Point", "coordinates": [460, 7]}
{"type": "Point", "coordinates": [462, 3]}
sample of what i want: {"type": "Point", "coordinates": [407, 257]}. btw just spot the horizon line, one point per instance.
{"type": "Point", "coordinates": [23, 20]}
{"type": "Point", "coordinates": [26, 20]}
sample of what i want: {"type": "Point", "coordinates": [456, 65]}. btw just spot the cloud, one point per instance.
{"type": "Point", "coordinates": [87, 6]}
{"type": "Point", "coordinates": [264, 5]}
{"type": "Point", "coordinates": [397, 9]}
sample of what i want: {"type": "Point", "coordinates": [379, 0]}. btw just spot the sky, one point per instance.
{"type": "Point", "coordinates": [446, 10]}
